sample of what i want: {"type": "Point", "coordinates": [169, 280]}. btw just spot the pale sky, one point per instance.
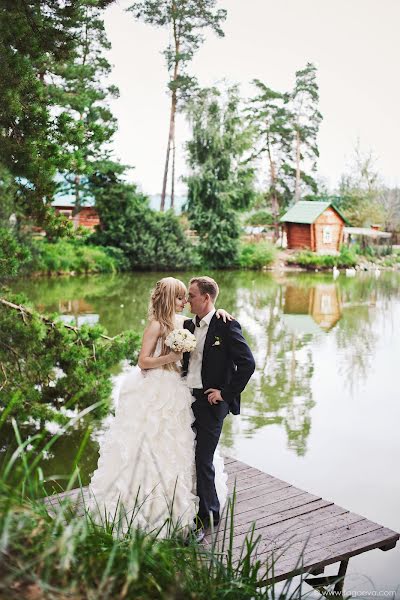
{"type": "Point", "coordinates": [354, 44]}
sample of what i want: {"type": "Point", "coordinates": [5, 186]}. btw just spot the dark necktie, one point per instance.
{"type": "Point", "coordinates": [198, 321]}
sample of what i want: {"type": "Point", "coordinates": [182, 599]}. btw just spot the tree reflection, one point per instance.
{"type": "Point", "coordinates": [280, 392]}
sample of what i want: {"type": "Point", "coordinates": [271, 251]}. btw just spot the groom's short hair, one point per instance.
{"type": "Point", "coordinates": [206, 285]}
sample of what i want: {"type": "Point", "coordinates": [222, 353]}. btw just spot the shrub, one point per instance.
{"type": "Point", "coordinates": [261, 217]}
{"type": "Point", "coordinates": [256, 255]}
{"type": "Point", "coordinates": [74, 255]}
{"type": "Point", "coordinates": [149, 240]}
{"type": "Point", "coordinates": [308, 259]}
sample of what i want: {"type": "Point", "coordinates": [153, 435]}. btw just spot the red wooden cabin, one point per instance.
{"type": "Point", "coordinates": [314, 225]}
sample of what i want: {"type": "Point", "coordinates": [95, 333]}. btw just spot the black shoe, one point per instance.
{"type": "Point", "coordinates": [199, 535]}
{"type": "Point", "coordinates": [196, 534]}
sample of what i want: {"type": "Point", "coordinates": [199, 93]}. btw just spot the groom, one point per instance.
{"type": "Point", "coordinates": [217, 372]}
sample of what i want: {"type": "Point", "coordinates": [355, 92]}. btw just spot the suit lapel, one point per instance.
{"type": "Point", "coordinates": [210, 336]}
{"type": "Point", "coordinates": [188, 324]}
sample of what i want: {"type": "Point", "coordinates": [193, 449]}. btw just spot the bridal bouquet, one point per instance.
{"type": "Point", "coordinates": [181, 340]}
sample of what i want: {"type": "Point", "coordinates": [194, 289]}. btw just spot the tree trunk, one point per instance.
{"type": "Point", "coordinates": [171, 134]}
{"type": "Point", "coordinates": [173, 174]}
{"type": "Point", "coordinates": [274, 196]}
{"type": "Point", "coordinates": [77, 204]}
{"type": "Point", "coordinates": [297, 188]}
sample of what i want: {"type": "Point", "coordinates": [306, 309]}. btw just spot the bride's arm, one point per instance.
{"type": "Point", "coordinates": [149, 341]}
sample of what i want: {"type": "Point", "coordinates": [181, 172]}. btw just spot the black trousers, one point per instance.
{"type": "Point", "coordinates": [209, 419]}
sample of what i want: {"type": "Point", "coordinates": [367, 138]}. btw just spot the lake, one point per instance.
{"type": "Point", "coordinates": [322, 410]}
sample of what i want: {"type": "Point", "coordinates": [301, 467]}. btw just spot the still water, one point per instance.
{"type": "Point", "coordinates": [323, 408]}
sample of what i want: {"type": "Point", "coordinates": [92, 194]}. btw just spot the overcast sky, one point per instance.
{"type": "Point", "coordinates": [355, 45]}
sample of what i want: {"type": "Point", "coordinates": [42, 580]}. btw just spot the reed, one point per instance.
{"type": "Point", "coordinates": [49, 551]}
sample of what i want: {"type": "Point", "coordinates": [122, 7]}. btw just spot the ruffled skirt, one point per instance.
{"type": "Point", "coordinates": [146, 471]}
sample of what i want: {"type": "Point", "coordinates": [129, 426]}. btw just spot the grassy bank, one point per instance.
{"type": "Point", "coordinates": [69, 257]}
{"type": "Point", "coordinates": [256, 255]}
{"type": "Point", "coordinates": [64, 555]}
{"type": "Point", "coordinates": [310, 260]}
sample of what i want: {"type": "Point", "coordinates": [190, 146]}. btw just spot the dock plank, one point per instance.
{"type": "Point", "coordinates": [298, 531]}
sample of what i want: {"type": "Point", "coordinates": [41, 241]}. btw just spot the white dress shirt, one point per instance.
{"type": "Point", "coordinates": [193, 379]}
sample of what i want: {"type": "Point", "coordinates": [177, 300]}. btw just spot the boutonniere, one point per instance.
{"type": "Point", "coordinates": [217, 341]}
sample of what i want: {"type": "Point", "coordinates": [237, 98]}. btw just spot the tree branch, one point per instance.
{"type": "Point", "coordinates": [25, 311]}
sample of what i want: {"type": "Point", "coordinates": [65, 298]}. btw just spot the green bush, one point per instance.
{"type": "Point", "coordinates": [308, 259]}
{"type": "Point", "coordinates": [66, 256]}
{"type": "Point", "coordinates": [150, 240]}
{"type": "Point", "coordinates": [261, 217]}
{"type": "Point", "coordinates": [256, 255]}
{"type": "Point", "coordinates": [13, 253]}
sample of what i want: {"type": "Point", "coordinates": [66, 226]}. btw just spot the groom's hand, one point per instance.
{"type": "Point", "coordinates": [214, 396]}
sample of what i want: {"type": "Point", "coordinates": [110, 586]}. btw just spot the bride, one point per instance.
{"type": "Point", "coordinates": [146, 471]}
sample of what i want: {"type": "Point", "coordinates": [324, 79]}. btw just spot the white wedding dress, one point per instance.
{"type": "Point", "coordinates": [146, 471]}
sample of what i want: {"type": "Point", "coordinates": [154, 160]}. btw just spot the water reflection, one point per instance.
{"type": "Point", "coordinates": [311, 308]}
{"type": "Point", "coordinates": [286, 321]}
{"type": "Point", "coordinates": [77, 312]}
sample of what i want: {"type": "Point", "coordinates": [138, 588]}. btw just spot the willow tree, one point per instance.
{"type": "Point", "coordinates": [221, 182]}
{"type": "Point", "coordinates": [185, 21]}
{"type": "Point", "coordinates": [306, 120]}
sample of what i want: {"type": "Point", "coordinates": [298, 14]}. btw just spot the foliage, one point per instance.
{"type": "Point", "coordinates": [306, 119]}
{"type": "Point", "coordinates": [66, 256]}
{"type": "Point", "coordinates": [84, 122]}
{"type": "Point", "coordinates": [305, 258]}
{"type": "Point", "coordinates": [13, 253]}
{"type": "Point", "coordinates": [186, 20]}
{"type": "Point", "coordinates": [40, 44]}
{"type": "Point", "coordinates": [359, 190]}
{"type": "Point", "coordinates": [269, 116]}
{"type": "Point", "coordinates": [261, 217]}
{"type": "Point", "coordinates": [220, 182]}
{"type": "Point", "coordinates": [149, 240]}
{"type": "Point", "coordinates": [389, 201]}
{"type": "Point", "coordinates": [47, 367]}
{"type": "Point", "coordinates": [53, 547]}
{"type": "Point", "coordinates": [286, 126]}
{"type": "Point", "coordinates": [256, 255]}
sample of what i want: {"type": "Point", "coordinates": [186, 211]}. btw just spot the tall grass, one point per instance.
{"type": "Point", "coordinates": [55, 551]}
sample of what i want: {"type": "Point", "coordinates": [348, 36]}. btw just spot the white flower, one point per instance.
{"type": "Point", "coordinates": [181, 340]}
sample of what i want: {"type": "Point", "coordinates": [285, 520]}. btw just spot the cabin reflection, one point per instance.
{"type": "Point", "coordinates": [310, 309]}
{"type": "Point", "coordinates": [77, 312]}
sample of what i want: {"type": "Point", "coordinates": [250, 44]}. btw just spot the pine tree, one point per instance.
{"type": "Point", "coordinates": [84, 122]}
{"type": "Point", "coordinates": [269, 116]}
{"type": "Point", "coordinates": [306, 120]}
{"type": "Point", "coordinates": [185, 21]}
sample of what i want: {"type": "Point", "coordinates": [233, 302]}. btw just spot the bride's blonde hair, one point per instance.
{"type": "Point", "coordinates": [162, 306]}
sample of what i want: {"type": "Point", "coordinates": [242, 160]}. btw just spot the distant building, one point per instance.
{"type": "Point", "coordinates": [87, 216]}
{"type": "Point", "coordinates": [316, 226]}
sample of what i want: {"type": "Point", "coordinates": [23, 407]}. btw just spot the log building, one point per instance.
{"type": "Point", "coordinates": [314, 225]}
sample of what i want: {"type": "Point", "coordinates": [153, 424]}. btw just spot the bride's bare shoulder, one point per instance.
{"type": "Point", "coordinates": [153, 327]}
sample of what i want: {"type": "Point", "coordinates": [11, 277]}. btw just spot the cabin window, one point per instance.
{"type": "Point", "coordinates": [327, 234]}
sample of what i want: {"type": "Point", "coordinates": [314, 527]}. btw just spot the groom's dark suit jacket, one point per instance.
{"type": "Point", "coordinates": [228, 362]}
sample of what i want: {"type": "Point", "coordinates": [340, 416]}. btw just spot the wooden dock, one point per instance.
{"type": "Point", "coordinates": [298, 531]}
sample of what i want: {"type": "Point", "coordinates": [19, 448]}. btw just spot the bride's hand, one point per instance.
{"type": "Point", "coordinates": [175, 356]}
{"type": "Point", "coordinates": [221, 313]}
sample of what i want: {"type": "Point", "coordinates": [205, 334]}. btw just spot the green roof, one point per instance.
{"type": "Point", "coordinates": [307, 211]}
